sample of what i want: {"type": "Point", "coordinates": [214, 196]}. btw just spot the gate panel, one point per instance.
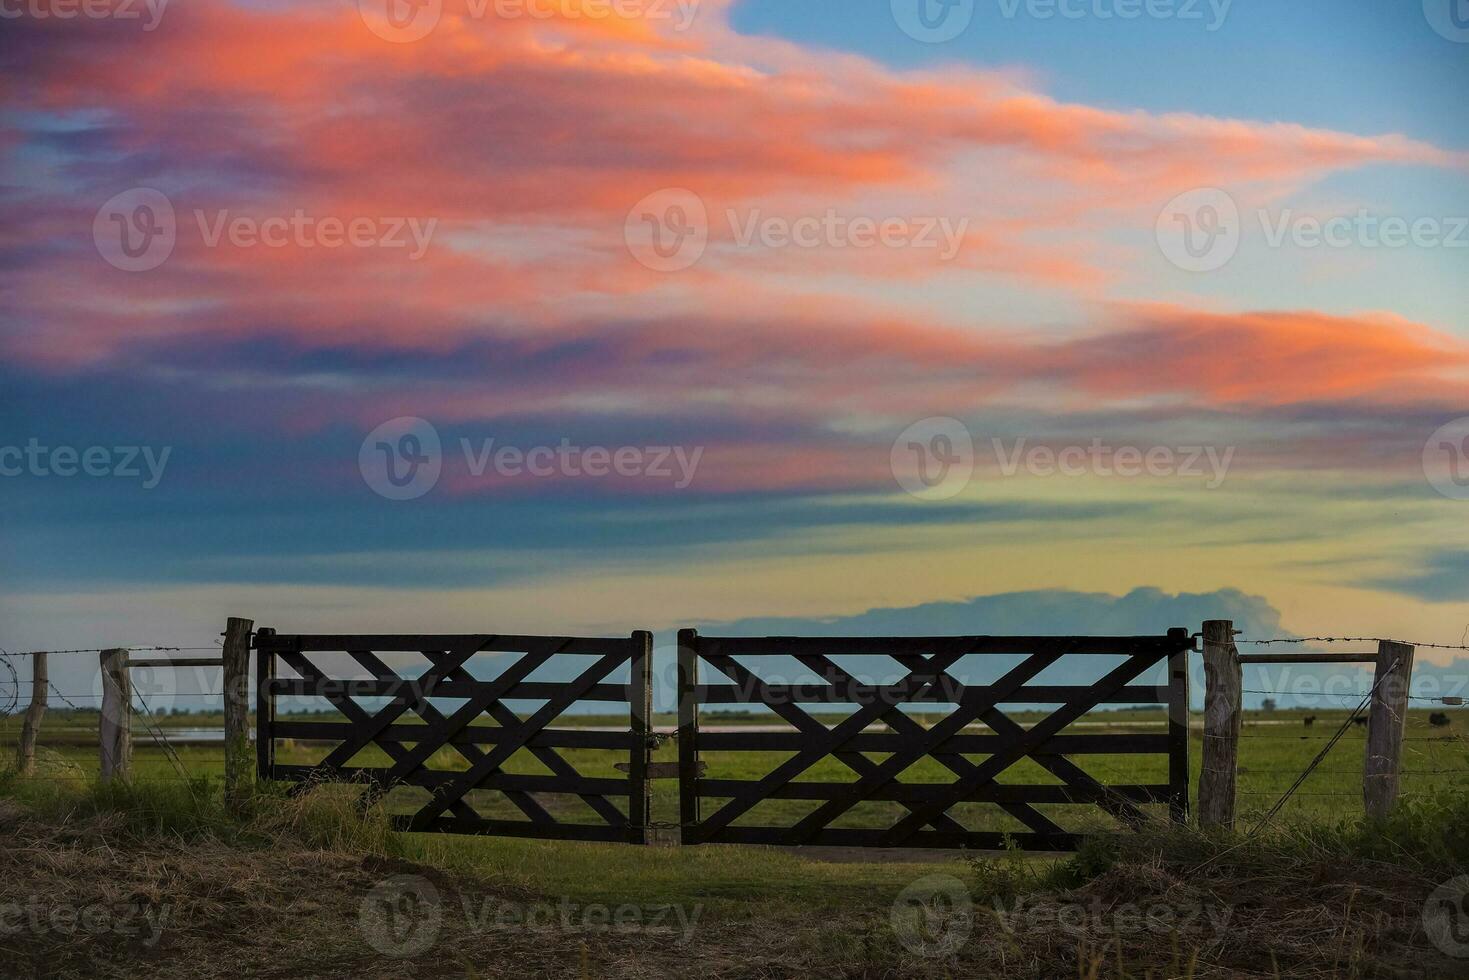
{"type": "Point", "coordinates": [976, 726]}
{"type": "Point", "coordinates": [399, 716]}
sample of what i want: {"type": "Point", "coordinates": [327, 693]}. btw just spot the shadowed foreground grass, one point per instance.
{"type": "Point", "coordinates": [309, 887]}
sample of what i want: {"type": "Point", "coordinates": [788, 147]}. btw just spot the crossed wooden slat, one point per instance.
{"type": "Point", "coordinates": [440, 730]}
{"type": "Point", "coordinates": [918, 742]}
{"type": "Point", "coordinates": [1058, 765]}
{"type": "Point", "coordinates": [824, 743]}
{"type": "Point", "coordinates": [806, 725]}
{"type": "Point", "coordinates": [953, 761]}
{"type": "Point", "coordinates": [350, 709]}
{"type": "Point", "coordinates": [1023, 746]}
{"type": "Point", "coordinates": [513, 738]}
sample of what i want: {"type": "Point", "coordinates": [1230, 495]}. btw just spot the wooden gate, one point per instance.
{"type": "Point", "coordinates": [403, 730]}
{"type": "Point", "coordinates": [922, 813]}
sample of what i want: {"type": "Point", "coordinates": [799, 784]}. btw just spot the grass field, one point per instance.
{"type": "Point", "coordinates": [770, 912]}
{"type": "Point", "coordinates": [1276, 746]}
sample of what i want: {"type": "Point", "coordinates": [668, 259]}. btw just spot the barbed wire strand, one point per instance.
{"type": "Point", "coordinates": [1352, 639]}
{"type": "Point", "coordinates": [140, 648]}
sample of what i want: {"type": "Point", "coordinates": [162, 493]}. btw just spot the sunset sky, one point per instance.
{"type": "Point", "coordinates": [1027, 170]}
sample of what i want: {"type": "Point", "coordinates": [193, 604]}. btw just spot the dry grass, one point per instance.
{"type": "Point", "coordinates": [282, 895]}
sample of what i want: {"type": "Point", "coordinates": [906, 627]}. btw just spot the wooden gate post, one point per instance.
{"type": "Point", "coordinates": [640, 697]}
{"type": "Point", "coordinates": [688, 734]}
{"type": "Point", "coordinates": [116, 721]}
{"type": "Point", "coordinates": [238, 765]}
{"type": "Point", "coordinates": [1385, 722]}
{"type": "Point", "coordinates": [1223, 682]}
{"type": "Point", "coordinates": [25, 757]}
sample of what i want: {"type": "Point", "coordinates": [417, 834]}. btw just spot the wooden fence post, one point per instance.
{"type": "Point", "coordinates": [1385, 721]}
{"type": "Point", "coordinates": [116, 721]}
{"type": "Point", "coordinates": [25, 757]}
{"type": "Point", "coordinates": [238, 765]}
{"type": "Point", "coordinates": [640, 696]}
{"type": "Point", "coordinates": [1222, 694]}
{"type": "Point", "coordinates": [688, 735]}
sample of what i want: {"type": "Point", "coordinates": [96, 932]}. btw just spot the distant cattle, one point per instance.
{"type": "Point", "coordinates": [1309, 720]}
{"type": "Point", "coordinates": [1359, 720]}
{"type": "Point", "coordinates": [1439, 720]}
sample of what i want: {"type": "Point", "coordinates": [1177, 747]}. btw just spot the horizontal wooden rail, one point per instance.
{"type": "Point", "coordinates": [1116, 744]}
{"type": "Point", "coordinates": [395, 643]}
{"type": "Point", "coordinates": [925, 792]}
{"type": "Point", "coordinates": [369, 688]}
{"type": "Point", "coordinates": [430, 778]}
{"type": "Point", "coordinates": [796, 646]}
{"type": "Point", "coordinates": [568, 738]}
{"type": "Point", "coordinates": [858, 694]}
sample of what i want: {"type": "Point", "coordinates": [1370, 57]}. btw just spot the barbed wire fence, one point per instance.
{"type": "Point", "coordinates": [179, 746]}
{"type": "Point", "coordinates": [1434, 755]}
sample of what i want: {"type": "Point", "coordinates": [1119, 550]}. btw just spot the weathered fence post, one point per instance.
{"type": "Point", "coordinates": [1385, 721]}
{"type": "Point", "coordinates": [116, 721]}
{"type": "Point", "coordinates": [237, 762]}
{"type": "Point", "coordinates": [640, 697]}
{"type": "Point", "coordinates": [1222, 694]}
{"type": "Point", "coordinates": [25, 757]}
{"type": "Point", "coordinates": [688, 734]}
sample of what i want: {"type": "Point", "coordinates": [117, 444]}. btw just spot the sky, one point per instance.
{"type": "Point", "coordinates": [583, 316]}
